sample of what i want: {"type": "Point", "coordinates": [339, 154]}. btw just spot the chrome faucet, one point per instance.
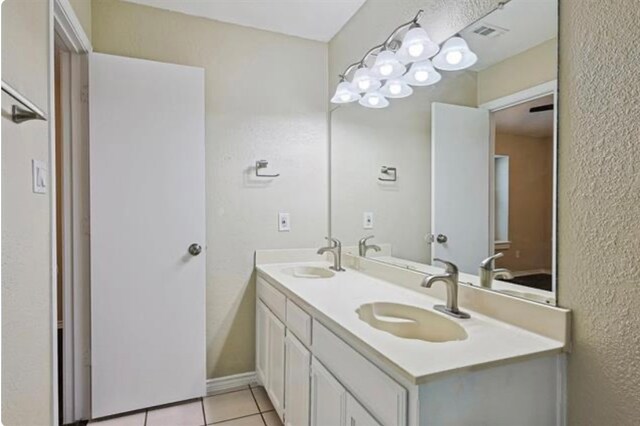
{"type": "Point", "coordinates": [450, 278]}
{"type": "Point", "coordinates": [335, 248]}
{"type": "Point", "coordinates": [488, 273]}
{"type": "Point", "coordinates": [363, 247]}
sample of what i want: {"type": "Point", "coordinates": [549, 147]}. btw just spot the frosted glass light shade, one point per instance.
{"type": "Point", "coordinates": [422, 74]}
{"type": "Point", "coordinates": [374, 100]}
{"type": "Point", "coordinates": [364, 81]}
{"type": "Point", "coordinates": [416, 46]}
{"type": "Point", "coordinates": [396, 88]}
{"type": "Point", "coordinates": [387, 66]}
{"type": "Point", "coordinates": [455, 55]}
{"type": "Point", "coordinates": [345, 94]}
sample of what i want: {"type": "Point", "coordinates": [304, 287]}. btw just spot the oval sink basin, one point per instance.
{"type": "Point", "coordinates": [309, 272]}
{"type": "Point", "coordinates": [410, 322]}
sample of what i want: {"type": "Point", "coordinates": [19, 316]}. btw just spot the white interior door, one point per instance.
{"type": "Point", "coordinates": [460, 143]}
{"type": "Point", "coordinates": [147, 208]}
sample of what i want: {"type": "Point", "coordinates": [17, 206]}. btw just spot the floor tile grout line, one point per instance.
{"type": "Point", "coordinates": [264, 422]}
{"type": "Point", "coordinates": [204, 414]}
{"type": "Point", "coordinates": [235, 418]}
{"type": "Point", "coordinates": [146, 414]}
{"type": "Point", "coordinates": [228, 391]}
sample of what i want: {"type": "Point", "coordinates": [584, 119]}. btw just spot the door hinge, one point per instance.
{"type": "Point", "coordinates": [84, 94]}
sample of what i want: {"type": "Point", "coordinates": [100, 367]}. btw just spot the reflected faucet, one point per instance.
{"type": "Point", "coordinates": [488, 273]}
{"type": "Point", "coordinates": [335, 248]}
{"type": "Point", "coordinates": [450, 278]}
{"type": "Point", "coordinates": [363, 247]}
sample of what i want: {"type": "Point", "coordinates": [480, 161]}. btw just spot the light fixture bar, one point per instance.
{"type": "Point", "coordinates": [382, 46]}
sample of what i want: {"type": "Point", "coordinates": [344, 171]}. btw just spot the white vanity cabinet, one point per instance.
{"type": "Point", "coordinates": [328, 398]}
{"type": "Point", "coordinates": [270, 355]}
{"type": "Point", "coordinates": [302, 390]}
{"type": "Point", "coordinates": [297, 375]}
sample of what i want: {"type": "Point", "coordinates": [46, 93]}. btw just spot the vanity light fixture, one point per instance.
{"type": "Point", "coordinates": [387, 66]}
{"type": "Point", "coordinates": [403, 60]}
{"type": "Point", "coordinates": [396, 88]}
{"type": "Point", "coordinates": [374, 100]}
{"type": "Point", "coordinates": [417, 46]}
{"type": "Point", "coordinates": [455, 55]}
{"type": "Point", "coordinates": [422, 74]}
{"type": "Point", "coordinates": [364, 81]}
{"type": "Point", "coordinates": [345, 94]}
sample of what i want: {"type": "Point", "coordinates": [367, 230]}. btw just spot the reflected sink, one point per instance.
{"type": "Point", "coordinates": [309, 272]}
{"type": "Point", "coordinates": [410, 322]}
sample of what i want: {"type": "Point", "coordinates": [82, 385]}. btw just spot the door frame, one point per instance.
{"type": "Point", "coordinates": [526, 95]}
{"type": "Point", "coordinates": [65, 32]}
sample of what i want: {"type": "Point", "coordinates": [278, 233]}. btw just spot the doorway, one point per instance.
{"type": "Point", "coordinates": [523, 199]}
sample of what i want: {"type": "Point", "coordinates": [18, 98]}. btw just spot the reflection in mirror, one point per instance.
{"type": "Point", "coordinates": [463, 169]}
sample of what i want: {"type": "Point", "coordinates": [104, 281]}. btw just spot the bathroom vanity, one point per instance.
{"type": "Point", "coordinates": [366, 347]}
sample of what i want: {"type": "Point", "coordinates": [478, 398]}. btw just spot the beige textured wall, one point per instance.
{"type": "Point", "coordinates": [265, 99]}
{"type": "Point", "coordinates": [599, 208]}
{"type": "Point", "coordinates": [530, 201]}
{"type": "Point", "coordinates": [82, 9]}
{"type": "Point", "coordinates": [527, 69]}
{"type": "Point", "coordinates": [26, 284]}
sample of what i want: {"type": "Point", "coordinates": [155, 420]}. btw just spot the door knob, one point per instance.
{"type": "Point", "coordinates": [441, 238]}
{"type": "Point", "coordinates": [195, 249]}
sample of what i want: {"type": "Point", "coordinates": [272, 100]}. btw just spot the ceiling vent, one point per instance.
{"type": "Point", "coordinates": [489, 31]}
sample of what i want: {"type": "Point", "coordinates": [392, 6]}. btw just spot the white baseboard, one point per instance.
{"type": "Point", "coordinates": [222, 384]}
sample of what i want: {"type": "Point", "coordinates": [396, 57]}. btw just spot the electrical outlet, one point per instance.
{"type": "Point", "coordinates": [284, 224]}
{"type": "Point", "coordinates": [367, 220]}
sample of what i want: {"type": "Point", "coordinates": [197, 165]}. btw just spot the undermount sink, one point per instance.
{"type": "Point", "coordinates": [309, 272]}
{"type": "Point", "coordinates": [410, 322]}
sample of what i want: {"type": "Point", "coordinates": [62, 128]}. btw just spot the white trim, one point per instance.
{"type": "Point", "coordinates": [522, 96]}
{"type": "Point", "coordinates": [69, 28]}
{"type": "Point", "coordinates": [53, 258]}
{"type": "Point", "coordinates": [233, 382]}
{"type": "Point", "coordinates": [65, 26]}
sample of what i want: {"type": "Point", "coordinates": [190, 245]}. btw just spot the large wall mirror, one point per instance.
{"type": "Point", "coordinates": [464, 169]}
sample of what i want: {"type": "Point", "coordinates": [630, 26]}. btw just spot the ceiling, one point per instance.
{"type": "Point", "coordinates": [311, 19]}
{"type": "Point", "coordinates": [520, 25]}
{"type": "Point", "coordinates": [517, 120]}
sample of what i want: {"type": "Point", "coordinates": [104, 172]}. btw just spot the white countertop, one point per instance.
{"type": "Point", "coordinates": [335, 300]}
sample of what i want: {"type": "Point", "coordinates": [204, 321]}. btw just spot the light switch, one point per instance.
{"type": "Point", "coordinates": [284, 224]}
{"type": "Point", "coordinates": [367, 220]}
{"type": "Point", "coordinates": [39, 176]}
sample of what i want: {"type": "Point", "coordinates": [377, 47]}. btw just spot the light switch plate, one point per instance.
{"type": "Point", "coordinates": [284, 223]}
{"type": "Point", "coordinates": [367, 220]}
{"type": "Point", "coordinates": [39, 176]}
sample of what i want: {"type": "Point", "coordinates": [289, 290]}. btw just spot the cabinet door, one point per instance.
{"type": "Point", "coordinates": [298, 363]}
{"type": "Point", "coordinates": [328, 398]}
{"type": "Point", "coordinates": [262, 340]}
{"type": "Point", "coordinates": [275, 363]}
{"type": "Point", "coordinates": [357, 415]}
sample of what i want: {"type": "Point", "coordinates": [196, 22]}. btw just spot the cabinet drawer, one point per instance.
{"type": "Point", "coordinates": [271, 297]}
{"type": "Point", "coordinates": [299, 322]}
{"type": "Point", "coordinates": [379, 393]}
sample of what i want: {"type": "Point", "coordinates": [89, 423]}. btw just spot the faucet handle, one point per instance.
{"type": "Point", "coordinates": [486, 264]}
{"type": "Point", "coordinates": [450, 267]}
{"type": "Point", "coordinates": [333, 242]}
{"type": "Point", "coordinates": [367, 238]}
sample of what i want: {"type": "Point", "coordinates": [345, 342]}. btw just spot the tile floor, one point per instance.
{"type": "Point", "coordinates": [247, 406]}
